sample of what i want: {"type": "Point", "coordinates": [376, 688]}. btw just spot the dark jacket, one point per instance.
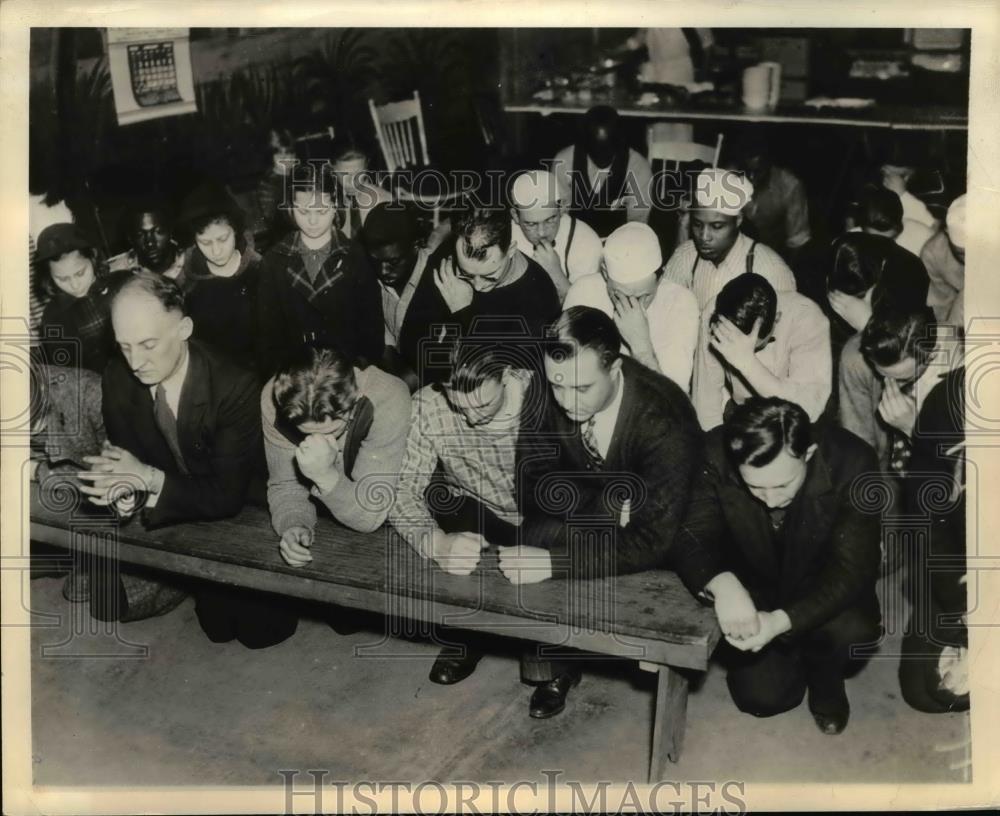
{"type": "Point", "coordinates": [218, 428]}
{"type": "Point", "coordinates": [567, 502]}
{"type": "Point", "coordinates": [224, 310]}
{"type": "Point", "coordinates": [346, 313]}
{"type": "Point", "coordinates": [830, 543]}
{"type": "Point", "coordinates": [935, 496]}
{"type": "Point", "coordinates": [518, 311]}
{"type": "Point", "coordinates": [77, 331]}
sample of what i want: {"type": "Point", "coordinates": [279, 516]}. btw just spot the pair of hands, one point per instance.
{"type": "Point", "coordinates": [113, 474]}
{"type": "Point", "coordinates": [317, 456]}
{"type": "Point", "coordinates": [898, 409]}
{"type": "Point", "coordinates": [459, 553]}
{"type": "Point", "coordinates": [735, 347]}
{"type": "Point", "coordinates": [744, 626]}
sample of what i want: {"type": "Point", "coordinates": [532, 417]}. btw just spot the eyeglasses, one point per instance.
{"type": "Point", "coordinates": [551, 221]}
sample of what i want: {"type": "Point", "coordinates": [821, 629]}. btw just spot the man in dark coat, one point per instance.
{"type": "Point", "coordinates": [623, 441]}
{"type": "Point", "coordinates": [183, 425]}
{"type": "Point", "coordinates": [476, 282]}
{"type": "Point", "coordinates": [782, 505]}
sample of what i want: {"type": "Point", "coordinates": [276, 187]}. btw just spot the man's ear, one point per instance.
{"type": "Point", "coordinates": [616, 366]}
{"type": "Point", "coordinates": [185, 328]}
{"type": "Point", "coordinates": [739, 220]}
{"type": "Point", "coordinates": [810, 451]}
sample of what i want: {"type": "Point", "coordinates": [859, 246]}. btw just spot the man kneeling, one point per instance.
{"type": "Point", "coordinates": [776, 502]}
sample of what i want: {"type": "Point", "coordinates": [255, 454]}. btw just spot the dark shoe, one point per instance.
{"type": "Point", "coordinates": [549, 698]}
{"type": "Point", "coordinates": [450, 668]}
{"type": "Point", "coordinates": [830, 709]}
{"type": "Point", "coordinates": [832, 724]}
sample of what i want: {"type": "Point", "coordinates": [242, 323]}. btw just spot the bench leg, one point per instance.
{"type": "Point", "coordinates": [668, 722]}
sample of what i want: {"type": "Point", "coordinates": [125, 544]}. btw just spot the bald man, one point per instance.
{"type": "Point", "coordinates": [183, 425]}
{"type": "Point", "coordinates": [563, 245]}
{"type": "Point", "coordinates": [658, 319]}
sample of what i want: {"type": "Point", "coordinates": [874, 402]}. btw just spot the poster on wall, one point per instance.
{"type": "Point", "coordinates": [150, 73]}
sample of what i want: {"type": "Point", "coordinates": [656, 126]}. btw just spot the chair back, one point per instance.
{"type": "Point", "coordinates": [399, 127]}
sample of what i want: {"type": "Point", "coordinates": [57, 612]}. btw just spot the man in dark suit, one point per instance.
{"type": "Point", "coordinates": [782, 506]}
{"type": "Point", "coordinates": [183, 426]}
{"type": "Point", "coordinates": [624, 441]}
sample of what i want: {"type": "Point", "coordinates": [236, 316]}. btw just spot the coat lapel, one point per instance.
{"type": "Point", "coordinates": [194, 400]}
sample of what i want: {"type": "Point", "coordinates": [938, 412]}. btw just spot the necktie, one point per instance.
{"type": "Point", "coordinates": [590, 441]}
{"type": "Point", "coordinates": [167, 423]}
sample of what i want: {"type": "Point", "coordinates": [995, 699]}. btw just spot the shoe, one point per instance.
{"type": "Point", "coordinates": [549, 698]}
{"type": "Point", "coordinates": [76, 587]}
{"type": "Point", "coordinates": [832, 724]}
{"type": "Point", "coordinates": [830, 710]}
{"type": "Point", "coordinates": [450, 668]}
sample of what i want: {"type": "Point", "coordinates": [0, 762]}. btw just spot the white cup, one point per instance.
{"type": "Point", "coordinates": [762, 85]}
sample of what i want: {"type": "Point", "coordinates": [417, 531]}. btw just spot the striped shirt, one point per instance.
{"type": "Point", "coordinates": [475, 461]}
{"type": "Point", "coordinates": [706, 279]}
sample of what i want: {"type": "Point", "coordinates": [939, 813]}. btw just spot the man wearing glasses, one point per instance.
{"type": "Point", "coordinates": [563, 245]}
{"type": "Point", "coordinates": [477, 279]}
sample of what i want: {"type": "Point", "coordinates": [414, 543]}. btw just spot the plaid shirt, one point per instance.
{"type": "Point", "coordinates": [331, 271]}
{"type": "Point", "coordinates": [476, 462]}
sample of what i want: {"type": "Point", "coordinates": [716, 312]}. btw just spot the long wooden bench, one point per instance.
{"type": "Point", "coordinates": [649, 617]}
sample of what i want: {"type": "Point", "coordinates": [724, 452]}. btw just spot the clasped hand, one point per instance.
{"type": "Point", "coordinates": [113, 474]}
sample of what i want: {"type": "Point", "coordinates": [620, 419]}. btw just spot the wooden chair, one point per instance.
{"type": "Point", "coordinates": [399, 128]}
{"type": "Point", "coordinates": [678, 153]}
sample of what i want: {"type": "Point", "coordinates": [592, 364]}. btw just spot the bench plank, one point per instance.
{"type": "Point", "coordinates": [648, 616]}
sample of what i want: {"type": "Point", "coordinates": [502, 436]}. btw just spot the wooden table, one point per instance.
{"type": "Point", "coordinates": [649, 617]}
{"type": "Point", "coordinates": [932, 117]}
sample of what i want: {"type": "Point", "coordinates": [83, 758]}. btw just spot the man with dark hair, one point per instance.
{"type": "Point", "coordinates": [775, 502]}
{"type": "Point", "coordinates": [600, 415]}
{"type": "Point", "coordinates": [315, 286]}
{"type": "Point", "coordinates": [391, 238]}
{"type": "Point", "coordinates": [149, 228]}
{"type": "Point", "coordinates": [477, 277]}
{"type": "Point", "coordinates": [328, 426]}
{"type": "Point", "coordinates": [606, 182]}
{"type": "Point", "coordinates": [461, 445]}
{"type": "Point", "coordinates": [184, 428]}
{"type": "Point", "coordinates": [905, 356]}
{"type": "Point", "coordinates": [868, 272]}
{"type": "Point", "coordinates": [758, 342]}
{"type": "Point", "coordinates": [778, 215]}
{"type": "Point", "coordinates": [881, 213]}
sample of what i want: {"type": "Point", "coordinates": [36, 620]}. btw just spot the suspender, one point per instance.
{"type": "Point", "coordinates": [569, 243]}
{"type": "Point", "coordinates": [749, 264]}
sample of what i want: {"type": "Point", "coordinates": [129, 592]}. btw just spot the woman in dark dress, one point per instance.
{"type": "Point", "coordinates": [76, 324]}
{"type": "Point", "coordinates": [220, 276]}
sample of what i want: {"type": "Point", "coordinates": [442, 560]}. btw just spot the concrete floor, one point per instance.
{"type": "Point", "coordinates": [196, 713]}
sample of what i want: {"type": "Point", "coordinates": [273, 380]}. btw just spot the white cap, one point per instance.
{"type": "Point", "coordinates": [723, 191]}
{"type": "Point", "coordinates": [535, 188]}
{"type": "Point", "coordinates": [955, 221]}
{"type": "Point", "coordinates": [632, 253]}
